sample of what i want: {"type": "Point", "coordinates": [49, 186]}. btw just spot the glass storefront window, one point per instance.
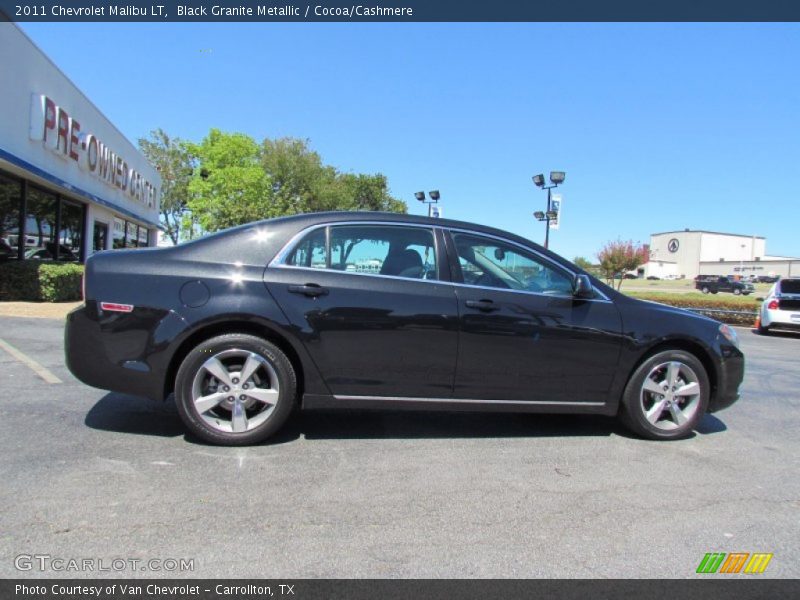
{"type": "Point", "coordinates": [132, 238]}
{"type": "Point", "coordinates": [142, 237]}
{"type": "Point", "coordinates": [119, 234]}
{"type": "Point", "coordinates": [70, 236]}
{"type": "Point", "coordinates": [100, 236]}
{"type": "Point", "coordinates": [10, 199]}
{"type": "Point", "coordinates": [40, 224]}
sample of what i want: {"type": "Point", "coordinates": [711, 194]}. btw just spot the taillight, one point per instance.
{"type": "Point", "coordinates": [773, 305]}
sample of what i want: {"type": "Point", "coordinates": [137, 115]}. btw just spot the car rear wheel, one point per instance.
{"type": "Point", "coordinates": [737, 291]}
{"type": "Point", "coordinates": [763, 330]}
{"type": "Point", "coordinates": [666, 396]}
{"type": "Point", "coordinates": [235, 390]}
{"type": "Point", "coordinates": [705, 290]}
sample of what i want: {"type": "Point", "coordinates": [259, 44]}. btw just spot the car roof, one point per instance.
{"type": "Point", "coordinates": [338, 216]}
{"type": "Point", "coordinates": [304, 220]}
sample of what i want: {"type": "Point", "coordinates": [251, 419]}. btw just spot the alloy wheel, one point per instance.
{"type": "Point", "coordinates": [670, 395]}
{"type": "Point", "coordinates": [235, 390]}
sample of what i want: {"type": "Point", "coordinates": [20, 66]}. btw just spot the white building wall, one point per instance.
{"type": "Point", "coordinates": [730, 247]}
{"type": "Point", "coordinates": [687, 255]}
{"type": "Point", "coordinates": [26, 74]}
{"type": "Point", "coordinates": [661, 269]}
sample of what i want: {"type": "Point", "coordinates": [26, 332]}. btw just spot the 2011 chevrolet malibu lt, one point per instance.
{"type": "Point", "coordinates": [374, 310]}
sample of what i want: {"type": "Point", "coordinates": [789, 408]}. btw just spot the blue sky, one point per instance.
{"type": "Point", "coordinates": [658, 126]}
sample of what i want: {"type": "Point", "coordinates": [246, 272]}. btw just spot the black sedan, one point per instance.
{"type": "Point", "coordinates": [374, 310]}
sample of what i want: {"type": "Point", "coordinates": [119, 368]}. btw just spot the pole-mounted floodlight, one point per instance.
{"type": "Point", "coordinates": [556, 178]}
{"type": "Point", "coordinates": [433, 199]}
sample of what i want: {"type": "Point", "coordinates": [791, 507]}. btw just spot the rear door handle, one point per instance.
{"type": "Point", "coordinates": [310, 289]}
{"type": "Point", "coordinates": [484, 305]}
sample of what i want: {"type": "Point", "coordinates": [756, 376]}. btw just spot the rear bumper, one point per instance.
{"type": "Point", "coordinates": [115, 351]}
{"type": "Point", "coordinates": [781, 318]}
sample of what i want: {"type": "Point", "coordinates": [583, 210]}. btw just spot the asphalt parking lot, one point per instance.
{"type": "Point", "coordinates": [88, 474]}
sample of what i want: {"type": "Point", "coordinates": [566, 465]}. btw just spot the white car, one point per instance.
{"type": "Point", "coordinates": [781, 307]}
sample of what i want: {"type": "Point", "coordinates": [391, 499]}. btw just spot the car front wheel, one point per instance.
{"type": "Point", "coordinates": [736, 292]}
{"type": "Point", "coordinates": [666, 396]}
{"type": "Point", "coordinates": [705, 290]}
{"type": "Point", "coordinates": [235, 390]}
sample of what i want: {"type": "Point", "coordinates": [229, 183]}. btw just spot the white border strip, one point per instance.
{"type": "Point", "coordinates": [32, 364]}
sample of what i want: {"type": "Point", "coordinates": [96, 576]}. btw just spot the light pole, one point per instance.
{"type": "Point", "coordinates": [434, 199]}
{"type": "Point", "coordinates": [741, 262]}
{"type": "Point", "coordinates": [556, 178]}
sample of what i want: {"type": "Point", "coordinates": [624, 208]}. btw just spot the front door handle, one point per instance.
{"type": "Point", "coordinates": [311, 290]}
{"type": "Point", "coordinates": [483, 305]}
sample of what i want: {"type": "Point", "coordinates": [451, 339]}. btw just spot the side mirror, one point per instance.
{"type": "Point", "coordinates": [582, 287]}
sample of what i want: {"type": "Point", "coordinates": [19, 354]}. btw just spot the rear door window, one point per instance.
{"type": "Point", "coordinates": [391, 250]}
{"type": "Point", "coordinates": [397, 251]}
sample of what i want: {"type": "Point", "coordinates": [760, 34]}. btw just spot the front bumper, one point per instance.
{"type": "Point", "coordinates": [730, 376]}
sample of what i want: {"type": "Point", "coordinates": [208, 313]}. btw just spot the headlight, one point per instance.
{"type": "Point", "coordinates": [729, 333]}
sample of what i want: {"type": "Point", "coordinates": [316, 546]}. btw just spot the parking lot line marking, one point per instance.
{"type": "Point", "coordinates": [32, 364]}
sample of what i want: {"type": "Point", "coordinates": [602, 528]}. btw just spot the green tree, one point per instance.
{"type": "Point", "coordinates": [175, 163]}
{"type": "Point", "coordinates": [302, 183]}
{"type": "Point", "coordinates": [229, 185]}
{"type": "Point", "coordinates": [583, 263]}
{"type": "Point", "coordinates": [236, 181]}
{"type": "Point", "coordinates": [617, 257]}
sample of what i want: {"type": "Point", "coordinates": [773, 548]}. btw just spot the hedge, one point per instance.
{"type": "Point", "coordinates": [38, 281]}
{"type": "Point", "coordinates": [746, 306]}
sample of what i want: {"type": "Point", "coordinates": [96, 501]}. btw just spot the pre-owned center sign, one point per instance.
{"type": "Point", "coordinates": [66, 137]}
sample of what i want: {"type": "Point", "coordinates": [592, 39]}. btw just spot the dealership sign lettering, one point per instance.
{"type": "Point", "coordinates": [62, 133]}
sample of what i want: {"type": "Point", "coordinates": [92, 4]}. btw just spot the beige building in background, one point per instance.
{"type": "Point", "coordinates": [699, 252]}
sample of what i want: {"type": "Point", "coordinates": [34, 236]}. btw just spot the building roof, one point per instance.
{"type": "Point", "coordinates": [758, 237]}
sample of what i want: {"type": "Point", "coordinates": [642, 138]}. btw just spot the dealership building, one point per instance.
{"type": "Point", "coordinates": [691, 252]}
{"type": "Point", "coordinates": [70, 183]}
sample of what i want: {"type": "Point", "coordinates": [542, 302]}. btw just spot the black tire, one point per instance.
{"type": "Point", "coordinates": [715, 292]}
{"type": "Point", "coordinates": [274, 359]}
{"type": "Point", "coordinates": [632, 408]}
{"type": "Point", "coordinates": [705, 290]}
{"type": "Point", "coordinates": [763, 330]}
{"type": "Point", "coordinates": [737, 291]}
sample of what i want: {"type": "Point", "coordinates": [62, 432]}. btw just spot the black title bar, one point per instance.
{"type": "Point", "coordinates": [711, 588]}
{"type": "Point", "coordinates": [401, 11]}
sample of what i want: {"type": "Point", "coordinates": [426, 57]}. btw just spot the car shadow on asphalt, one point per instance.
{"type": "Point", "coordinates": [136, 415]}
{"type": "Point", "coordinates": [139, 416]}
